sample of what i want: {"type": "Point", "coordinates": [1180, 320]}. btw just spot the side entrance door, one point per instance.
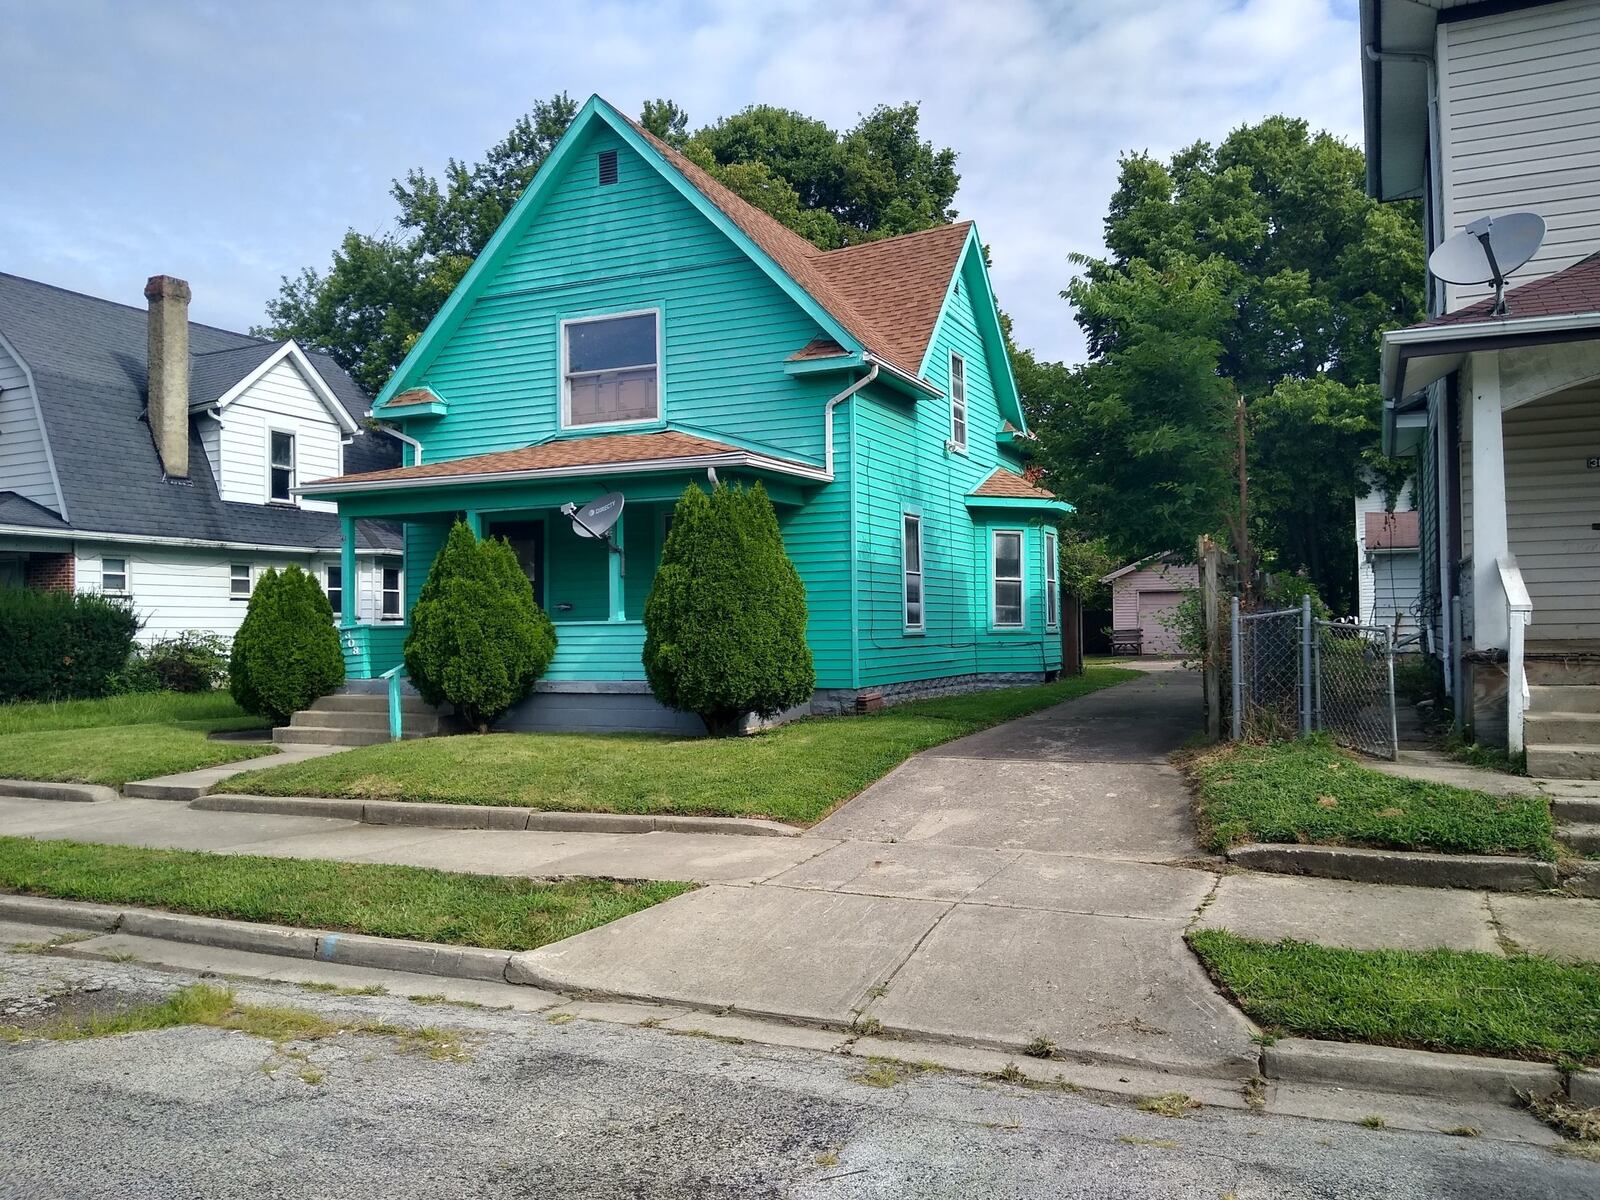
{"type": "Point", "coordinates": [527, 539]}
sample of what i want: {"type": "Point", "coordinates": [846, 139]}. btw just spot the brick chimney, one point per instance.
{"type": "Point", "coordinates": [168, 365]}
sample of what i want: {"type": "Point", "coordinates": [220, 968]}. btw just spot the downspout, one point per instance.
{"type": "Point", "coordinates": [407, 439]}
{"type": "Point", "coordinates": [827, 417]}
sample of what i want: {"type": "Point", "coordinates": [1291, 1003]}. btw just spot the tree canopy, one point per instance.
{"type": "Point", "coordinates": [1256, 268]}
{"type": "Point", "coordinates": [371, 303]}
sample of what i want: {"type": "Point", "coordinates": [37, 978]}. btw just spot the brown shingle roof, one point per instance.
{"type": "Point", "coordinates": [1008, 485]}
{"type": "Point", "coordinates": [600, 451]}
{"type": "Point", "coordinates": [1566, 293]}
{"type": "Point", "coordinates": [818, 348]}
{"type": "Point", "coordinates": [419, 395]}
{"type": "Point", "coordinates": [887, 293]}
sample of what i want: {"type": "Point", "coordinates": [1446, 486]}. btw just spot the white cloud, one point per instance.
{"type": "Point", "coordinates": [193, 138]}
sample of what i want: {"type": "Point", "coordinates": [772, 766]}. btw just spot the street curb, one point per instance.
{"type": "Point", "coordinates": [1584, 1088]}
{"type": "Point", "coordinates": [1488, 872]}
{"type": "Point", "coordinates": [46, 910]}
{"type": "Point", "coordinates": [1414, 1072]}
{"type": "Point", "coordinates": [31, 789]}
{"type": "Point", "coordinates": [212, 931]}
{"type": "Point", "coordinates": [487, 816]}
{"type": "Point", "coordinates": [420, 958]}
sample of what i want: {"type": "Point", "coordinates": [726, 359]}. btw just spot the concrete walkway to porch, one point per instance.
{"type": "Point", "coordinates": [1032, 881]}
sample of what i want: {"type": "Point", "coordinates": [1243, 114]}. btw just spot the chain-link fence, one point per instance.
{"type": "Point", "coordinates": [1353, 696]}
{"type": "Point", "coordinates": [1293, 674]}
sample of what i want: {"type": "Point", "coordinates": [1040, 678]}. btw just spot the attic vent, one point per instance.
{"type": "Point", "coordinates": [608, 167]}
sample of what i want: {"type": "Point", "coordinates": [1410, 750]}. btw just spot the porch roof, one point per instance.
{"type": "Point", "coordinates": [612, 453]}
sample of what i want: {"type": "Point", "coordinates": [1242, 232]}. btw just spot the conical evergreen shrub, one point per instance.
{"type": "Point", "coordinates": [286, 653]}
{"type": "Point", "coordinates": [479, 640]}
{"type": "Point", "coordinates": [725, 623]}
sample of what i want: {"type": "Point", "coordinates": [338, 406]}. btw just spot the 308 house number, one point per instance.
{"type": "Point", "coordinates": [1594, 462]}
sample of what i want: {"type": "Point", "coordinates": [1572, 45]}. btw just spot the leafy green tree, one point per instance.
{"type": "Point", "coordinates": [1309, 271]}
{"type": "Point", "coordinates": [286, 653]}
{"type": "Point", "coordinates": [667, 121]}
{"type": "Point", "coordinates": [725, 622]}
{"type": "Point", "coordinates": [478, 639]}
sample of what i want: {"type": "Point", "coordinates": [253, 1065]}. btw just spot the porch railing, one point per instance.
{"type": "Point", "coordinates": [1519, 615]}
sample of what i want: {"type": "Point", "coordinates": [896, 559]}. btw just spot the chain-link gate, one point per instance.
{"type": "Point", "coordinates": [1293, 674]}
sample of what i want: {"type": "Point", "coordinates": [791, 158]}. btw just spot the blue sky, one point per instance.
{"type": "Point", "coordinates": [232, 143]}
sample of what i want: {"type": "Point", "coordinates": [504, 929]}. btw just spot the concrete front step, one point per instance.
{"type": "Point", "coordinates": [1563, 672]}
{"type": "Point", "coordinates": [324, 735]}
{"type": "Point", "coordinates": [419, 723]}
{"type": "Point", "coordinates": [1576, 810]}
{"type": "Point", "coordinates": [1564, 698]}
{"type": "Point", "coordinates": [1583, 839]}
{"type": "Point", "coordinates": [1564, 760]}
{"type": "Point", "coordinates": [368, 702]}
{"type": "Point", "coordinates": [1544, 728]}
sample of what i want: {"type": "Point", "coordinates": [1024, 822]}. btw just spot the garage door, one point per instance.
{"type": "Point", "coordinates": [1155, 613]}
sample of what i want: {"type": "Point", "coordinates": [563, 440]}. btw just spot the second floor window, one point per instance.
{"type": "Point", "coordinates": [611, 370]}
{"type": "Point", "coordinates": [280, 467]}
{"type": "Point", "coordinates": [958, 402]}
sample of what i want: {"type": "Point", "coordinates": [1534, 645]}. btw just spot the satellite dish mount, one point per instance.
{"type": "Point", "coordinates": [596, 520]}
{"type": "Point", "coordinates": [1488, 250]}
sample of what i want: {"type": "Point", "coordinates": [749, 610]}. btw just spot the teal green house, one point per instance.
{"type": "Point", "coordinates": [635, 327]}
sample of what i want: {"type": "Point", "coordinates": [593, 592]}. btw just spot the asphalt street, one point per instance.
{"type": "Point", "coordinates": [535, 1108]}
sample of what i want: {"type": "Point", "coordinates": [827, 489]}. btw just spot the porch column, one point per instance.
{"type": "Point", "coordinates": [475, 522]}
{"type": "Point", "coordinates": [347, 571]}
{"type": "Point", "coordinates": [1490, 542]}
{"type": "Point", "coordinates": [619, 603]}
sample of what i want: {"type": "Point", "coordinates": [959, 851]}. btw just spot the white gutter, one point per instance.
{"type": "Point", "coordinates": [1425, 335]}
{"type": "Point", "coordinates": [137, 539]}
{"type": "Point", "coordinates": [827, 416]}
{"type": "Point", "coordinates": [699, 462]}
{"type": "Point", "coordinates": [922, 385]}
{"type": "Point", "coordinates": [416, 446]}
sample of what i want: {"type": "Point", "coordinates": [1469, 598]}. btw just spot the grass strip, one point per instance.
{"type": "Point", "coordinates": [796, 773]}
{"type": "Point", "coordinates": [213, 709]}
{"type": "Point", "coordinates": [494, 911]}
{"type": "Point", "coordinates": [1462, 1001]}
{"type": "Point", "coordinates": [113, 755]}
{"type": "Point", "coordinates": [1308, 791]}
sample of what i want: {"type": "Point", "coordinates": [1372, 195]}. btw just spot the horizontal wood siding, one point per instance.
{"type": "Point", "coordinates": [1159, 577]}
{"type": "Point", "coordinates": [905, 467]}
{"type": "Point", "coordinates": [1552, 499]}
{"type": "Point", "coordinates": [635, 244]}
{"type": "Point", "coordinates": [280, 399]}
{"type": "Point", "coordinates": [611, 650]}
{"type": "Point", "coordinates": [24, 463]}
{"type": "Point", "coordinates": [1520, 111]}
{"type": "Point", "coordinates": [176, 588]}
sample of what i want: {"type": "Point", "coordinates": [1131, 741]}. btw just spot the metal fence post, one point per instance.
{"type": "Point", "coordinates": [1316, 678]}
{"type": "Point", "coordinates": [1305, 666]}
{"type": "Point", "coordinates": [1394, 717]}
{"type": "Point", "coordinates": [1237, 653]}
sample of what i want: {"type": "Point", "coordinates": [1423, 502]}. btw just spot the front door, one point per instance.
{"type": "Point", "coordinates": [527, 539]}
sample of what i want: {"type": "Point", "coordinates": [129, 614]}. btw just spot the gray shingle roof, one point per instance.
{"type": "Point", "coordinates": [87, 357]}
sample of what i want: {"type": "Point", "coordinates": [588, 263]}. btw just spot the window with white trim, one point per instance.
{"type": "Point", "coordinates": [1006, 568]}
{"type": "Point", "coordinates": [239, 581]}
{"type": "Point", "coordinates": [280, 466]}
{"type": "Point", "coordinates": [114, 575]}
{"type": "Point", "coordinates": [334, 587]}
{"type": "Point", "coordinates": [911, 570]}
{"type": "Point", "coordinates": [958, 401]}
{"type": "Point", "coordinates": [611, 369]}
{"type": "Point", "coordinates": [1052, 581]}
{"type": "Point", "coordinates": [389, 594]}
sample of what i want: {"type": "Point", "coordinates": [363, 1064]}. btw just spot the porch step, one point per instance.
{"type": "Point", "coordinates": [1564, 760]}
{"type": "Point", "coordinates": [1546, 728]}
{"type": "Point", "coordinates": [1575, 810]}
{"type": "Point", "coordinates": [1574, 671]}
{"type": "Point", "coordinates": [419, 723]}
{"type": "Point", "coordinates": [1581, 839]}
{"type": "Point", "coordinates": [364, 702]}
{"type": "Point", "coordinates": [1564, 698]}
{"type": "Point", "coordinates": [323, 735]}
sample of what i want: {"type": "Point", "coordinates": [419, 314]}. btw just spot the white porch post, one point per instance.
{"type": "Point", "coordinates": [1490, 542]}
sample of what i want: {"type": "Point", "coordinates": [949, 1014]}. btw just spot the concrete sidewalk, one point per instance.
{"type": "Point", "coordinates": [1030, 882]}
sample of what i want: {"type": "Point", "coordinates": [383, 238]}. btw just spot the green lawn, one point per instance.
{"type": "Point", "coordinates": [1467, 1002]}
{"type": "Point", "coordinates": [121, 738]}
{"type": "Point", "coordinates": [1308, 791]}
{"type": "Point", "coordinates": [796, 773]}
{"type": "Point", "coordinates": [499, 912]}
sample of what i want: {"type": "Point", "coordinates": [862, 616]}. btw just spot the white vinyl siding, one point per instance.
{"type": "Point", "coordinates": [24, 463]}
{"type": "Point", "coordinates": [1156, 577]}
{"type": "Point", "coordinates": [1552, 501]}
{"type": "Point", "coordinates": [1520, 119]}
{"type": "Point", "coordinates": [283, 400]}
{"type": "Point", "coordinates": [173, 588]}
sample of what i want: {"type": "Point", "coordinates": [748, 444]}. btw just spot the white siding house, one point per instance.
{"type": "Point", "coordinates": [284, 399]}
{"type": "Point", "coordinates": [1387, 562]}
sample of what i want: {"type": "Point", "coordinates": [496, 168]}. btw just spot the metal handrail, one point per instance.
{"type": "Point", "coordinates": [1519, 615]}
{"type": "Point", "coordinates": [392, 677]}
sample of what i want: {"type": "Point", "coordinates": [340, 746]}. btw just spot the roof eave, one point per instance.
{"type": "Point", "coordinates": [1442, 346]}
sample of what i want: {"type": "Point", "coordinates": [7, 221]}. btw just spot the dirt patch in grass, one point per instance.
{"type": "Point", "coordinates": [1309, 791]}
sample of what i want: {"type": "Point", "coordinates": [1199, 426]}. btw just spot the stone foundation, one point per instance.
{"type": "Point", "coordinates": [832, 702]}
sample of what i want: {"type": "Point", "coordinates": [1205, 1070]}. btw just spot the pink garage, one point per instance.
{"type": "Point", "coordinates": [1144, 598]}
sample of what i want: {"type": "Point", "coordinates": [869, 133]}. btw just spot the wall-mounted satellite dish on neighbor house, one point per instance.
{"type": "Point", "coordinates": [596, 518]}
{"type": "Point", "coordinates": [1487, 251]}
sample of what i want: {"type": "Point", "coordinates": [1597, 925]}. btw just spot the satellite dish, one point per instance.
{"type": "Point", "coordinates": [1487, 251]}
{"type": "Point", "coordinates": [595, 519]}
